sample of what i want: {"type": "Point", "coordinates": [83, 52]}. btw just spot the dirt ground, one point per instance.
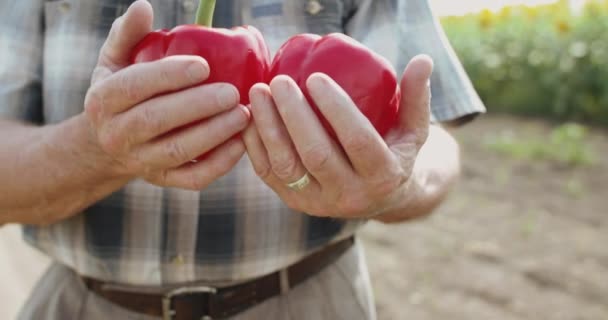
{"type": "Point", "coordinates": [517, 240]}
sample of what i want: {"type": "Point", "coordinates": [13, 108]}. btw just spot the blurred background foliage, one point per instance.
{"type": "Point", "coordinates": [541, 61]}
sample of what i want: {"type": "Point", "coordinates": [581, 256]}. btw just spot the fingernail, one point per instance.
{"type": "Point", "coordinates": [255, 96]}
{"type": "Point", "coordinates": [245, 112]}
{"type": "Point", "coordinates": [317, 83]}
{"type": "Point", "coordinates": [196, 71]}
{"type": "Point", "coordinates": [280, 87]}
{"type": "Point", "coordinates": [132, 6]}
{"type": "Point", "coordinates": [227, 96]}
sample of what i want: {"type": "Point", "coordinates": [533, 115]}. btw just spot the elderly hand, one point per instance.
{"type": "Point", "coordinates": [151, 119]}
{"type": "Point", "coordinates": [364, 177]}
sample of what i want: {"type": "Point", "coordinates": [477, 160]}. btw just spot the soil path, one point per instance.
{"type": "Point", "coordinates": [517, 240]}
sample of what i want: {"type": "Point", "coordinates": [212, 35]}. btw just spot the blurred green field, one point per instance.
{"type": "Point", "coordinates": [541, 61]}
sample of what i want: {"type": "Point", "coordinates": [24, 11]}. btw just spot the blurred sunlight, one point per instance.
{"type": "Point", "coordinates": [451, 7]}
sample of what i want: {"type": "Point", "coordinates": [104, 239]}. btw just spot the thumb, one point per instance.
{"type": "Point", "coordinates": [126, 32]}
{"type": "Point", "coordinates": [414, 111]}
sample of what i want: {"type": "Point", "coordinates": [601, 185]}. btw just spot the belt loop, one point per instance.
{"type": "Point", "coordinates": [284, 279]}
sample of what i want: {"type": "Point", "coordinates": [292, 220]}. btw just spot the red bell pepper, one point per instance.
{"type": "Point", "coordinates": [368, 78]}
{"type": "Point", "coordinates": [238, 56]}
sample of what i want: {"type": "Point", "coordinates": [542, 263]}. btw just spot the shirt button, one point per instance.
{"type": "Point", "coordinates": [189, 6]}
{"type": "Point", "coordinates": [65, 7]}
{"type": "Point", "coordinates": [178, 260]}
{"type": "Point", "coordinates": [313, 7]}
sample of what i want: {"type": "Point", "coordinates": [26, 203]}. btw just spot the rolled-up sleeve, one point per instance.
{"type": "Point", "coordinates": [21, 47]}
{"type": "Point", "coordinates": [402, 29]}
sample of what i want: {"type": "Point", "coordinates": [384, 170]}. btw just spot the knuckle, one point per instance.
{"type": "Point", "coordinates": [316, 157]}
{"type": "Point", "coordinates": [274, 134]}
{"type": "Point", "coordinates": [148, 119]}
{"type": "Point", "coordinates": [100, 73]}
{"type": "Point", "coordinates": [163, 178]}
{"type": "Point", "coordinates": [93, 104]}
{"type": "Point", "coordinates": [388, 185]}
{"type": "Point", "coordinates": [220, 168]}
{"type": "Point", "coordinates": [284, 166]}
{"type": "Point", "coordinates": [111, 141]}
{"type": "Point", "coordinates": [358, 142]}
{"type": "Point", "coordinates": [421, 137]}
{"type": "Point", "coordinates": [176, 152]}
{"type": "Point", "coordinates": [353, 206]}
{"type": "Point", "coordinates": [134, 163]}
{"type": "Point", "coordinates": [196, 182]}
{"type": "Point", "coordinates": [130, 87]}
{"type": "Point", "coordinates": [159, 178]}
{"type": "Point", "coordinates": [263, 171]}
{"type": "Point", "coordinates": [129, 143]}
{"type": "Point", "coordinates": [164, 76]}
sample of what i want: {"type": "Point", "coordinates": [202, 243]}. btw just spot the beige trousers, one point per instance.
{"type": "Point", "coordinates": [340, 291]}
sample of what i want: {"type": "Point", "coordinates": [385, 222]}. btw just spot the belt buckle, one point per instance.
{"type": "Point", "coordinates": [169, 313]}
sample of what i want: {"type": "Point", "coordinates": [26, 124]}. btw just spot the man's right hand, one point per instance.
{"type": "Point", "coordinates": [145, 121]}
{"type": "Point", "coordinates": [149, 120]}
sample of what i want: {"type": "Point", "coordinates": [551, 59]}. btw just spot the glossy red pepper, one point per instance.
{"type": "Point", "coordinates": [238, 56]}
{"type": "Point", "coordinates": [368, 78]}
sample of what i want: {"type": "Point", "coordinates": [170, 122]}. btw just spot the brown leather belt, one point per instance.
{"type": "Point", "coordinates": [207, 303]}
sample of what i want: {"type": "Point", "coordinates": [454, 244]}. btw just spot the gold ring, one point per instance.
{"type": "Point", "coordinates": [301, 183]}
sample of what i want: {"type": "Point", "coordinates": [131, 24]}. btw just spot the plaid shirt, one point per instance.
{"type": "Point", "coordinates": [237, 228]}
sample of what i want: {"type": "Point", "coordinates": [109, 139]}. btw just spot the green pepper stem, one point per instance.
{"type": "Point", "coordinates": [204, 14]}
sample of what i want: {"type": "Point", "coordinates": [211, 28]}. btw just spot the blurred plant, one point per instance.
{"type": "Point", "coordinates": [541, 61]}
{"type": "Point", "coordinates": [575, 188]}
{"type": "Point", "coordinates": [530, 223]}
{"type": "Point", "coordinates": [567, 144]}
{"type": "Point", "coordinates": [562, 26]}
{"type": "Point", "coordinates": [485, 19]}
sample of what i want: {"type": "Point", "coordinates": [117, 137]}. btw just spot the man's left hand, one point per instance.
{"type": "Point", "coordinates": [365, 176]}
